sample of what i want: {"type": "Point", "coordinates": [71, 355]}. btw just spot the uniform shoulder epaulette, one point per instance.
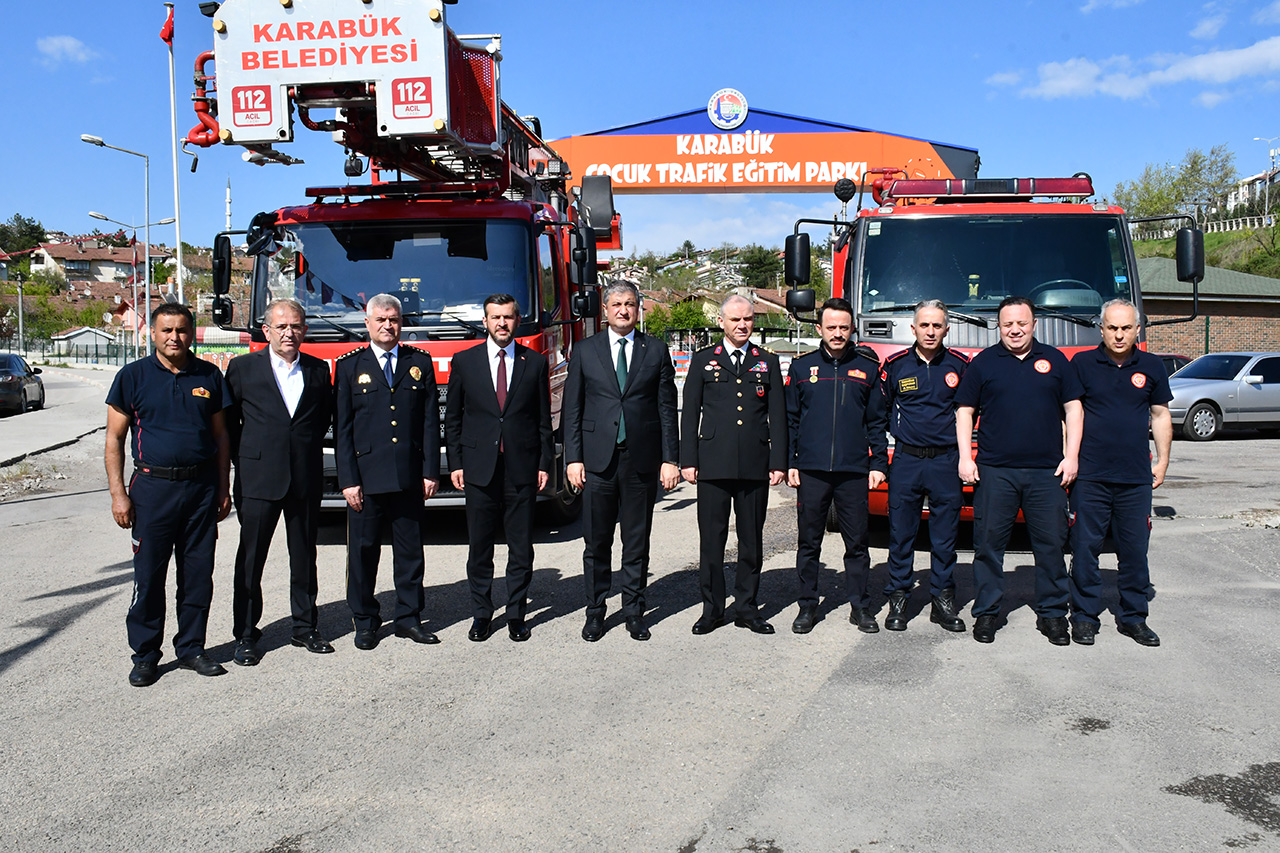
{"type": "Point", "coordinates": [867, 352]}
{"type": "Point", "coordinates": [349, 353]}
{"type": "Point", "coordinates": [897, 355]}
{"type": "Point", "coordinates": [966, 359]}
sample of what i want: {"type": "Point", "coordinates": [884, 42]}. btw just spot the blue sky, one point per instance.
{"type": "Point", "coordinates": [1038, 87]}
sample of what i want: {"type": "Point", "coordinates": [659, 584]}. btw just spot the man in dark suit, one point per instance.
{"type": "Point", "coordinates": [497, 427]}
{"type": "Point", "coordinates": [387, 437]}
{"type": "Point", "coordinates": [621, 440]}
{"type": "Point", "coordinates": [281, 407]}
{"type": "Point", "coordinates": [733, 446]}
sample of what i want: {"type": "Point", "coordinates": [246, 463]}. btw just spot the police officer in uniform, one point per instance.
{"type": "Point", "coordinates": [838, 451]}
{"type": "Point", "coordinates": [173, 403]}
{"type": "Point", "coordinates": [1123, 388]}
{"type": "Point", "coordinates": [387, 447]}
{"type": "Point", "coordinates": [733, 446]}
{"type": "Point", "coordinates": [919, 385]}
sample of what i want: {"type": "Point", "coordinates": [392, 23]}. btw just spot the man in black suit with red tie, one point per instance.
{"type": "Point", "coordinates": [281, 407]}
{"type": "Point", "coordinates": [497, 428]}
{"type": "Point", "coordinates": [387, 445]}
{"type": "Point", "coordinates": [621, 440]}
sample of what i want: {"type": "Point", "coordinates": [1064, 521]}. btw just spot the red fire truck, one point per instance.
{"type": "Point", "coordinates": [465, 198]}
{"type": "Point", "coordinates": [972, 242]}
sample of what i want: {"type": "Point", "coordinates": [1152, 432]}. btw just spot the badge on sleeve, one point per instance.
{"type": "Point", "coordinates": [415, 372]}
{"type": "Point", "coordinates": [759, 390]}
{"type": "Point", "coordinates": [858, 374]}
{"type": "Point", "coordinates": [1139, 380]}
{"type": "Point", "coordinates": [952, 380]}
{"type": "Point", "coordinates": [1041, 365]}
{"type": "Point", "coordinates": [363, 379]}
{"type": "Point", "coordinates": [200, 392]}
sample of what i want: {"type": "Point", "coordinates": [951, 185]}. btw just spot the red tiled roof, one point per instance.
{"type": "Point", "coordinates": [85, 252]}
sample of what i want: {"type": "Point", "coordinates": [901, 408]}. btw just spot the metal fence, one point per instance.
{"type": "Point", "coordinates": [46, 351]}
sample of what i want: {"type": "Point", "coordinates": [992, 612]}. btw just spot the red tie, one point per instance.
{"type": "Point", "coordinates": [502, 379]}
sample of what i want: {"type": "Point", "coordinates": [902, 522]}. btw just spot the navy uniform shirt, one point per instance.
{"type": "Point", "coordinates": [1020, 402]}
{"type": "Point", "coordinates": [920, 395]}
{"type": "Point", "coordinates": [835, 413]}
{"type": "Point", "coordinates": [1117, 411]}
{"type": "Point", "coordinates": [170, 414]}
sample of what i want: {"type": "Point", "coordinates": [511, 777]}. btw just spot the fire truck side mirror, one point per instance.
{"type": "Point", "coordinates": [797, 259]}
{"type": "Point", "coordinates": [596, 204]}
{"type": "Point", "coordinates": [801, 301]}
{"type": "Point", "coordinates": [221, 266]}
{"type": "Point", "coordinates": [1190, 254]}
{"type": "Point", "coordinates": [586, 303]}
{"type": "Point", "coordinates": [582, 257]}
{"type": "Point", "coordinates": [222, 312]}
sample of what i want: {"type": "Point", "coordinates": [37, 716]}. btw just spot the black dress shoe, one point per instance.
{"type": "Point", "coordinates": [418, 634]}
{"type": "Point", "coordinates": [366, 639]}
{"type": "Point", "coordinates": [707, 624]}
{"type": "Point", "coordinates": [896, 618]}
{"type": "Point", "coordinates": [202, 664]}
{"type": "Point", "coordinates": [805, 621]}
{"type": "Point", "coordinates": [984, 629]}
{"type": "Point", "coordinates": [1140, 633]}
{"type": "Point", "coordinates": [1055, 628]}
{"type": "Point", "coordinates": [246, 653]}
{"type": "Point", "coordinates": [479, 629]}
{"type": "Point", "coordinates": [863, 618]}
{"type": "Point", "coordinates": [312, 642]}
{"type": "Point", "coordinates": [943, 612]}
{"type": "Point", "coordinates": [1083, 632]}
{"type": "Point", "coordinates": [144, 673]}
{"type": "Point", "coordinates": [755, 623]}
{"type": "Point", "coordinates": [594, 629]}
{"type": "Point", "coordinates": [517, 631]}
{"type": "Point", "coordinates": [637, 629]}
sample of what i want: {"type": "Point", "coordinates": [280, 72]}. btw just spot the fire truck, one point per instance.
{"type": "Point", "coordinates": [464, 199]}
{"type": "Point", "coordinates": [972, 242]}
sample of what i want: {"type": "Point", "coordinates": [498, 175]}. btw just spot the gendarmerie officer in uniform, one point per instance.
{"type": "Point", "coordinates": [919, 386]}
{"type": "Point", "coordinates": [733, 446]}
{"type": "Point", "coordinates": [838, 451]}
{"type": "Point", "coordinates": [1124, 387]}
{"type": "Point", "coordinates": [387, 446]}
{"type": "Point", "coordinates": [180, 489]}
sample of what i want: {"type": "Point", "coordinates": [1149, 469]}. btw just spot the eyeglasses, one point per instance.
{"type": "Point", "coordinates": [296, 328]}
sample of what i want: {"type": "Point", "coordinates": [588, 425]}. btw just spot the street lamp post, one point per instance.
{"type": "Point", "coordinates": [1271, 168]}
{"type": "Point", "coordinates": [22, 338]}
{"type": "Point", "coordinates": [146, 205]}
{"type": "Point", "coordinates": [134, 238]}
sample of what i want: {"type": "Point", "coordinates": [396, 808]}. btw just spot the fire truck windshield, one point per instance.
{"type": "Point", "coordinates": [1069, 264]}
{"type": "Point", "coordinates": [441, 271]}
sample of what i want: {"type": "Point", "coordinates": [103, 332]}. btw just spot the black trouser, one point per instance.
{"type": "Point", "coordinates": [911, 478]}
{"type": "Point", "coordinates": [1125, 509]}
{"type": "Point", "coordinates": [618, 495]}
{"type": "Point", "coordinates": [749, 499]}
{"type": "Point", "coordinates": [403, 512]}
{"type": "Point", "coordinates": [997, 497]}
{"type": "Point", "coordinates": [514, 504]}
{"type": "Point", "coordinates": [258, 519]}
{"type": "Point", "coordinates": [813, 500]}
{"type": "Point", "coordinates": [177, 519]}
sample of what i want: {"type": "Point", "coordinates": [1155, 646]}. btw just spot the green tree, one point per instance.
{"type": "Point", "coordinates": [688, 249]}
{"type": "Point", "coordinates": [1153, 193]}
{"type": "Point", "coordinates": [20, 233]}
{"type": "Point", "coordinates": [1204, 180]}
{"type": "Point", "coordinates": [761, 267]}
{"type": "Point", "coordinates": [118, 239]}
{"type": "Point", "coordinates": [688, 315]}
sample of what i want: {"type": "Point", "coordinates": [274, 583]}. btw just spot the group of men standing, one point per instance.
{"type": "Point", "coordinates": [1046, 423]}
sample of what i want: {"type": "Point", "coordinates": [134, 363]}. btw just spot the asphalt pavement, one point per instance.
{"type": "Point", "coordinates": [834, 741]}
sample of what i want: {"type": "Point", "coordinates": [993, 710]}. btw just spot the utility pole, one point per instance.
{"type": "Point", "coordinates": [1271, 168]}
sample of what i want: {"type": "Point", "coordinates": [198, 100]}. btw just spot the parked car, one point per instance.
{"type": "Point", "coordinates": [1173, 362]}
{"type": "Point", "coordinates": [1226, 391]}
{"type": "Point", "coordinates": [21, 387]}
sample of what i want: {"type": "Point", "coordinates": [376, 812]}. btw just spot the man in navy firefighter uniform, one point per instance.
{"type": "Point", "coordinates": [1024, 392]}
{"type": "Point", "coordinates": [1123, 388]}
{"type": "Point", "coordinates": [733, 446]}
{"type": "Point", "coordinates": [919, 386]}
{"type": "Point", "coordinates": [387, 447]}
{"type": "Point", "coordinates": [838, 450]}
{"type": "Point", "coordinates": [180, 489]}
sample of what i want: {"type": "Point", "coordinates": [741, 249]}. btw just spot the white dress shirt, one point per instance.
{"type": "Point", "coordinates": [630, 338]}
{"type": "Point", "coordinates": [288, 379]}
{"type": "Point", "coordinates": [494, 349]}
{"type": "Point", "coordinates": [381, 353]}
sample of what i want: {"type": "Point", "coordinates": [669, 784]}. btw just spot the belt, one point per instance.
{"type": "Point", "coordinates": [924, 451]}
{"type": "Point", "coordinates": [191, 472]}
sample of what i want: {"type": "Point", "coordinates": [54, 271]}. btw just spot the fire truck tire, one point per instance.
{"type": "Point", "coordinates": [833, 520]}
{"type": "Point", "coordinates": [1202, 423]}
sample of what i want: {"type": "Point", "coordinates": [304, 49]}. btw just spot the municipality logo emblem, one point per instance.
{"type": "Point", "coordinates": [727, 109]}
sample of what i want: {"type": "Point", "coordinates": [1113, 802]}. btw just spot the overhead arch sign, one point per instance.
{"type": "Point", "coordinates": [730, 148]}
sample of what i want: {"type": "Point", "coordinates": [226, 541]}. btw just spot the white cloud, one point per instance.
{"type": "Point", "coordinates": [1209, 27]}
{"type": "Point", "coordinates": [1117, 77]}
{"type": "Point", "coordinates": [1209, 100]}
{"type": "Point", "coordinates": [1005, 78]}
{"type": "Point", "coordinates": [54, 50]}
{"type": "Point", "coordinates": [1268, 14]}
{"type": "Point", "coordinates": [1107, 4]}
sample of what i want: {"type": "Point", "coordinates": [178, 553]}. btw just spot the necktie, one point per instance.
{"type": "Point", "coordinates": [502, 379]}
{"type": "Point", "coordinates": [737, 361]}
{"type": "Point", "coordinates": [386, 370]}
{"type": "Point", "coordinates": [622, 384]}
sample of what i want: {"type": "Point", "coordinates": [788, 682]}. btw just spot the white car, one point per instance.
{"type": "Point", "coordinates": [1226, 391]}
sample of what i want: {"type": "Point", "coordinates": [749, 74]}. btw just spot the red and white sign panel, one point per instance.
{"type": "Point", "coordinates": [411, 97]}
{"type": "Point", "coordinates": [251, 106]}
